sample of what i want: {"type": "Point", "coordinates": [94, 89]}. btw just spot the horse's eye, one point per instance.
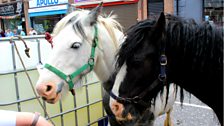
{"type": "Point", "coordinates": [76, 45]}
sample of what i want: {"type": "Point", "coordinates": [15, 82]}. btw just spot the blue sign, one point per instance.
{"type": "Point", "coordinates": [41, 3]}
{"type": "Point", "coordinates": [45, 3]}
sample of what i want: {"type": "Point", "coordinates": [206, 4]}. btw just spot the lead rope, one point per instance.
{"type": "Point", "coordinates": [31, 84]}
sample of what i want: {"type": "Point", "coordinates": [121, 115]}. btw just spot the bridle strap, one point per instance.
{"type": "Point", "coordinates": [137, 99]}
{"type": "Point", "coordinates": [67, 78]}
{"type": "Point", "coordinates": [162, 78]}
{"type": "Point", "coordinates": [89, 64]}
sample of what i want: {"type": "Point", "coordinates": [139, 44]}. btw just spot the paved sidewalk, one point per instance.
{"type": "Point", "coordinates": [192, 113]}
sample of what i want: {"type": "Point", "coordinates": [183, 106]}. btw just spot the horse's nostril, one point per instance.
{"type": "Point", "coordinates": [49, 88]}
{"type": "Point", "coordinates": [52, 99]}
{"type": "Point", "coordinates": [44, 98]}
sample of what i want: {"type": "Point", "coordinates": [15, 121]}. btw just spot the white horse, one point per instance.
{"type": "Point", "coordinates": [83, 41]}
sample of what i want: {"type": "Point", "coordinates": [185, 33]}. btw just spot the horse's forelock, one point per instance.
{"type": "Point", "coordinates": [134, 38]}
{"type": "Point", "coordinates": [108, 22]}
{"type": "Point", "coordinates": [67, 19]}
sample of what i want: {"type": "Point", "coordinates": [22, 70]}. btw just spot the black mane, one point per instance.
{"type": "Point", "coordinates": [200, 46]}
{"type": "Point", "coordinates": [196, 38]}
{"type": "Point", "coordinates": [135, 35]}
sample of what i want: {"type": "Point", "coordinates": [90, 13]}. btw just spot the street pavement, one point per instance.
{"type": "Point", "coordinates": [192, 113]}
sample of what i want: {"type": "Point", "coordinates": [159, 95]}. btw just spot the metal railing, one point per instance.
{"type": "Point", "coordinates": [40, 42]}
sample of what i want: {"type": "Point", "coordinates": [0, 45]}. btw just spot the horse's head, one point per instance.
{"type": "Point", "coordinates": [138, 68]}
{"type": "Point", "coordinates": [78, 45]}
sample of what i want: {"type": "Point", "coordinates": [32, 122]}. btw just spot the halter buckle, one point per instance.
{"type": "Point", "coordinates": [91, 61]}
{"type": "Point", "coordinates": [68, 78]}
{"type": "Point", "coordinates": [163, 60]}
{"type": "Point", "coordinates": [94, 43]}
{"type": "Point", "coordinates": [162, 77]}
{"type": "Point", "coordinates": [136, 99]}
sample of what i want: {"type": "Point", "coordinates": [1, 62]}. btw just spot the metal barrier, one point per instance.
{"type": "Point", "coordinates": [84, 109]}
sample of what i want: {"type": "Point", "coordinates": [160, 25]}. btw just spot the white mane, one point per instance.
{"type": "Point", "coordinates": [64, 21]}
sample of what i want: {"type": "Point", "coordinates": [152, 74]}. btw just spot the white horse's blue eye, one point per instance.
{"type": "Point", "coordinates": [76, 45]}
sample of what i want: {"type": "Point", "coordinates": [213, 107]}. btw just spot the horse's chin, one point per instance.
{"type": "Point", "coordinates": [54, 100]}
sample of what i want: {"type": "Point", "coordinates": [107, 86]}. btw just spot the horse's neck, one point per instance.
{"type": "Point", "coordinates": [194, 63]}
{"type": "Point", "coordinates": [106, 55]}
{"type": "Point", "coordinates": [199, 54]}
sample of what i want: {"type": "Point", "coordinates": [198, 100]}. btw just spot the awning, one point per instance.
{"type": "Point", "coordinates": [10, 17]}
{"type": "Point", "coordinates": [50, 10]}
{"type": "Point", "coordinates": [47, 13]}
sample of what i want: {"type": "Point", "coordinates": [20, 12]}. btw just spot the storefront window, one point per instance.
{"type": "Point", "coordinates": [11, 15]}
{"type": "Point", "coordinates": [12, 23]}
{"type": "Point", "coordinates": [45, 23]}
{"type": "Point", "coordinates": [213, 12]}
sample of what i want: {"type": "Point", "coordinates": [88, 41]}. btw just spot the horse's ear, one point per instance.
{"type": "Point", "coordinates": [160, 26]}
{"type": "Point", "coordinates": [93, 14]}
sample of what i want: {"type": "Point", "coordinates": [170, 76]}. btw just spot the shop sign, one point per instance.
{"type": "Point", "coordinates": [11, 9]}
{"type": "Point", "coordinates": [44, 3]}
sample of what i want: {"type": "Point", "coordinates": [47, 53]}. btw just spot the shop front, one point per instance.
{"type": "Point", "coordinates": [213, 12]}
{"type": "Point", "coordinates": [44, 14]}
{"type": "Point", "coordinates": [12, 16]}
{"type": "Point", "coordinates": [127, 11]}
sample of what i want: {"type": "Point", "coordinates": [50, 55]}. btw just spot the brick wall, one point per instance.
{"type": "Point", "coordinates": [169, 6]}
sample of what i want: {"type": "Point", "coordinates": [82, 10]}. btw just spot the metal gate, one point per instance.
{"type": "Point", "coordinates": [85, 109]}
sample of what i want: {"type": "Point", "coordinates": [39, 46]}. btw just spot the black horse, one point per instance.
{"type": "Point", "coordinates": [169, 50]}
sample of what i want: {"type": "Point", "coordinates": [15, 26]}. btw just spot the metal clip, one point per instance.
{"type": "Point", "coordinates": [162, 78]}
{"type": "Point", "coordinates": [163, 60]}
{"type": "Point", "coordinates": [136, 99]}
{"type": "Point", "coordinates": [59, 87]}
{"type": "Point", "coordinates": [91, 61]}
{"type": "Point", "coordinates": [94, 42]}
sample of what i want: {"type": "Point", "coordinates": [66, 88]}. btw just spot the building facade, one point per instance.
{"type": "Point", "coordinates": [12, 15]}
{"type": "Point", "coordinates": [127, 12]}
{"type": "Point", "coordinates": [213, 11]}
{"type": "Point", "coordinates": [200, 10]}
{"type": "Point", "coordinates": [42, 15]}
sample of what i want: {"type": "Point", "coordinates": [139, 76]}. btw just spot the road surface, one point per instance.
{"type": "Point", "coordinates": [192, 113]}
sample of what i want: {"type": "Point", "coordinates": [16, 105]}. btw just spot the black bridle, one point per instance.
{"type": "Point", "coordinates": [139, 98]}
{"type": "Point", "coordinates": [160, 81]}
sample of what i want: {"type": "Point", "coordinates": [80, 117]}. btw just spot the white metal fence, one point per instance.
{"type": "Point", "coordinates": [16, 94]}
